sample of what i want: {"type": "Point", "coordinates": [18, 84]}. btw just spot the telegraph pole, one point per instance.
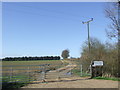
{"type": "Point", "coordinates": [87, 22]}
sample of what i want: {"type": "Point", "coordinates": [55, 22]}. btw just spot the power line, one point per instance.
{"type": "Point", "coordinates": [39, 14]}
{"type": "Point", "coordinates": [54, 11]}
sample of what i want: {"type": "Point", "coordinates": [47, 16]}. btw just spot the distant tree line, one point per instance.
{"type": "Point", "coordinates": [31, 58]}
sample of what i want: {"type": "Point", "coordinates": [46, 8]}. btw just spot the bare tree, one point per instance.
{"type": "Point", "coordinates": [65, 54]}
{"type": "Point", "coordinates": [108, 52]}
{"type": "Point", "coordinates": [111, 12]}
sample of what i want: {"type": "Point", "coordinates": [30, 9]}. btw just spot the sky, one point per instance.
{"type": "Point", "coordinates": [48, 28]}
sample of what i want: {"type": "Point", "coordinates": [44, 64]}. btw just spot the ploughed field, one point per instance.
{"type": "Point", "coordinates": [31, 65]}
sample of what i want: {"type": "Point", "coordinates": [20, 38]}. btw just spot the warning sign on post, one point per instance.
{"type": "Point", "coordinates": [97, 63]}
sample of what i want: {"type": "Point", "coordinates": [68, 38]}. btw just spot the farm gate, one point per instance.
{"type": "Point", "coordinates": [43, 73]}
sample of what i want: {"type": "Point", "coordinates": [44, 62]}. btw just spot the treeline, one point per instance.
{"type": "Point", "coordinates": [31, 58]}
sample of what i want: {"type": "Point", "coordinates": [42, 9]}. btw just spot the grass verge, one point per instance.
{"type": "Point", "coordinates": [107, 78]}
{"type": "Point", "coordinates": [14, 82]}
{"type": "Point", "coordinates": [78, 73]}
{"type": "Point", "coordinates": [13, 85]}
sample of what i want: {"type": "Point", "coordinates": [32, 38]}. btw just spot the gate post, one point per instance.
{"type": "Point", "coordinates": [81, 69]}
{"type": "Point", "coordinates": [11, 74]}
{"type": "Point", "coordinates": [43, 72]}
{"type": "Point", "coordinates": [58, 77]}
{"type": "Point", "coordinates": [28, 73]}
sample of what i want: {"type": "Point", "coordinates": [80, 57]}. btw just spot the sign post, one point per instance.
{"type": "Point", "coordinates": [96, 68]}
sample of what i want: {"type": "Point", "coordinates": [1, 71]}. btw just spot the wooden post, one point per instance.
{"type": "Point", "coordinates": [81, 69]}
{"type": "Point", "coordinates": [15, 76]}
{"type": "Point", "coordinates": [28, 73]}
{"type": "Point", "coordinates": [11, 74]}
{"type": "Point", "coordinates": [58, 75]}
{"type": "Point", "coordinates": [71, 71]}
{"type": "Point", "coordinates": [43, 72]}
{"type": "Point", "coordinates": [91, 71]}
{"type": "Point", "coordinates": [40, 71]}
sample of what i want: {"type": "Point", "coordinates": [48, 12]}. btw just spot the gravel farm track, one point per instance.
{"type": "Point", "coordinates": [74, 82]}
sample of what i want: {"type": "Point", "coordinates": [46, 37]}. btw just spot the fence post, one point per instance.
{"type": "Point", "coordinates": [81, 69]}
{"type": "Point", "coordinates": [43, 72]}
{"type": "Point", "coordinates": [11, 73]}
{"type": "Point", "coordinates": [58, 77]}
{"type": "Point", "coordinates": [71, 71]}
{"type": "Point", "coordinates": [28, 73]}
{"type": "Point", "coordinates": [91, 71]}
{"type": "Point", "coordinates": [40, 72]}
{"type": "Point", "coordinates": [15, 76]}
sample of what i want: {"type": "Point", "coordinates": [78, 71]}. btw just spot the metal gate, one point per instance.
{"type": "Point", "coordinates": [74, 70]}
{"type": "Point", "coordinates": [44, 72]}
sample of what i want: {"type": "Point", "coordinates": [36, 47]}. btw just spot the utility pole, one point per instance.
{"type": "Point", "coordinates": [87, 22]}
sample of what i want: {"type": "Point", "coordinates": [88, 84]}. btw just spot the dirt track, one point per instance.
{"type": "Point", "coordinates": [76, 83]}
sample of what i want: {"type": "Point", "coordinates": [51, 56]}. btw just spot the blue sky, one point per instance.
{"type": "Point", "coordinates": [45, 29]}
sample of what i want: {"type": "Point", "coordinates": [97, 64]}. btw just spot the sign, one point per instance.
{"type": "Point", "coordinates": [97, 63]}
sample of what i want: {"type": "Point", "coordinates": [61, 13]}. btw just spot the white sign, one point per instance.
{"type": "Point", "coordinates": [97, 63]}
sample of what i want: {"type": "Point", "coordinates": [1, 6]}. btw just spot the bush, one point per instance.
{"type": "Point", "coordinates": [107, 52]}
